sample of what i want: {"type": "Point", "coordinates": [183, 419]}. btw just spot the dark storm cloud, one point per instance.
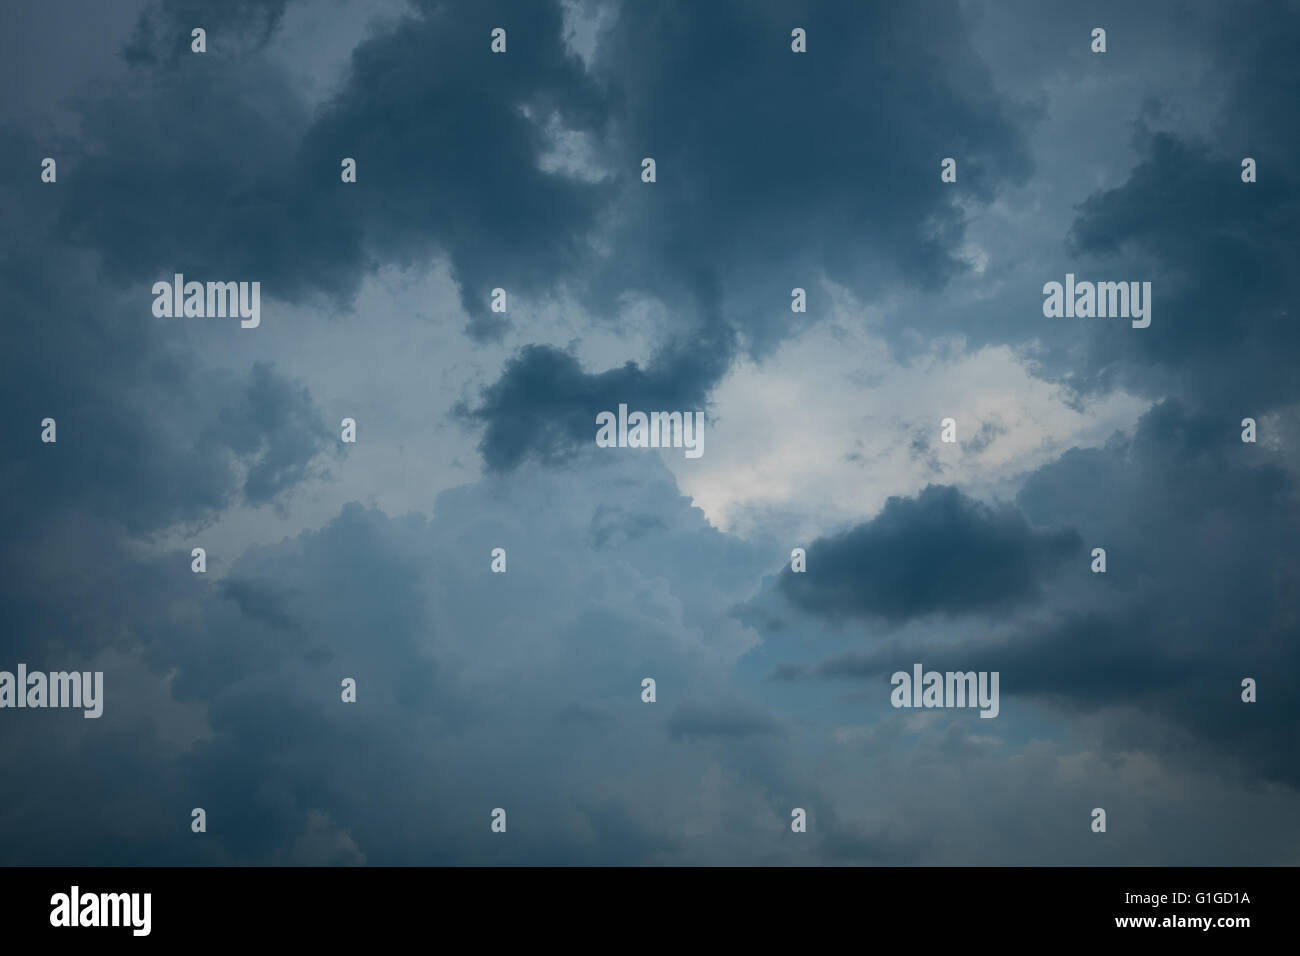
{"type": "Point", "coordinates": [773, 169]}
{"type": "Point", "coordinates": [544, 405]}
{"type": "Point", "coordinates": [150, 439]}
{"type": "Point", "coordinates": [220, 145]}
{"type": "Point", "coordinates": [1221, 256]}
{"type": "Point", "coordinates": [809, 168]}
{"type": "Point", "coordinates": [145, 453]}
{"type": "Point", "coordinates": [209, 152]}
{"type": "Point", "coordinates": [236, 650]}
{"type": "Point", "coordinates": [940, 552]}
{"type": "Point", "coordinates": [1083, 659]}
{"type": "Point", "coordinates": [1200, 591]}
{"type": "Point", "coordinates": [1198, 526]}
{"type": "Point", "coordinates": [1220, 253]}
{"type": "Point", "coordinates": [1200, 529]}
{"type": "Point", "coordinates": [447, 158]}
{"type": "Point", "coordinates": [146, 434]}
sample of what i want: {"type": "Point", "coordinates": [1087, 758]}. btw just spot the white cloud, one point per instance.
{"type": "Point", "coordinates": [823, 429]}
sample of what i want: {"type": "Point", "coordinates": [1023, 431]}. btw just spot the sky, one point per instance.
{"type": "Point", "coordinates": [522, 691]}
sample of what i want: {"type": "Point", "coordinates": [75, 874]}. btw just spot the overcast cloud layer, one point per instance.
{"type": "Point", "coordinates": [476, 429]}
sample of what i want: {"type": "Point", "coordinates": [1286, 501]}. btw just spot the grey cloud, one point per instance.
{"type": "Point", "coordinates": [719, 719]}
{"type": "Point", "coordinates": [1194, 599]}
{"type": "Point", "coordinates": [544, 405]}
{"type": "Point", "coordinates": [938, 553]}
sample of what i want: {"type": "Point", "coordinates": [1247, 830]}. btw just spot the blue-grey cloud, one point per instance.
{"type": "Point", "coordinates": [522, 690]}
{"type": "Point", "coordinates": [938, 553]}
{"type": "Point", "coordinates": [544, 405]}
{"type": "Point", "coordinates": [719, 719]}
{"type": "Point", "coordinates": [1194, 598]}
{"type": "Point", "coordinates": [761, 155]}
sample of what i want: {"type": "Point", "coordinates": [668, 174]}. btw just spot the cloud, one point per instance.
{"type": "Point", "coordinates": [162, 32]}
{"type": "Point", "coordinates": [274, 209]}
{"type": "Point", "coordinates": [719, 719]}
{"type": "Point", "coordinates": [449, 157]}
{"type": "Point", "coordinates": [1195, 598]}
{"type": "Point", "coordinates": [1218, 254]}
{"type": "Point", "coordinates": [937, 553]}
{"type": "Point", "coordinates": [544, 406]}
{"type": "Point", "coordinates": [259, 602]}
{"type": "Point", "coordinates": [278, 429]}
{"type": "Point", "coordinates": [1199, 589]}
{"type": "Point", "coordinates": [146, 432]}
{"type": "Point", "coordinates": [522, 690]}
{"type": "Point", "coordinates": [776, 146]}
